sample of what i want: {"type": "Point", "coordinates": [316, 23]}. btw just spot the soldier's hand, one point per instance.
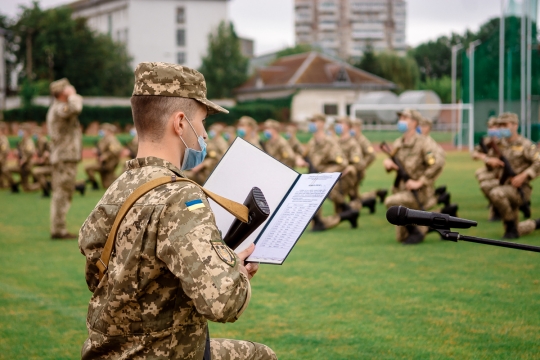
{"type": "Point", "coordinates": [389, 165]}
{"type": "Point", "coordinates": [413, 184]}
{"type": "Point", "coordinates": [69, 90]}
{"type": "Point", "coordinates": [251, 268]}
{"type": "Point", "coordinates": [494, 162]}
{"type": "Point", "coordinates": [518, 180]}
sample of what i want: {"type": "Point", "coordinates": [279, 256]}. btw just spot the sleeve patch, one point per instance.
{"type": "Point", "coordinates": [224, 253]}
{"type": "Point", "coordinates": [370, 149]}
{"type": "Point", "coordinates": [339, 160]}
{"type": "Point", "coordinates": [194, 204]}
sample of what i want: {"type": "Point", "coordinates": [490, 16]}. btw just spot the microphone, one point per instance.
{"type": "Point", "coordinates": [400, 215]}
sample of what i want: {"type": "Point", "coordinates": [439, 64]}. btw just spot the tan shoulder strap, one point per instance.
{"type": "Point", "coordinates": [238, 210]}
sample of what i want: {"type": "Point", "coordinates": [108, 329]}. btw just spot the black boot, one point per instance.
{"type": "Point", "coordinates": [444, 199]}
{"type": "Point", "coordinates": [440, 190]}
{"type": "Point", "coordinates": [415, 236]}
{"type": "Point", "coordinates": [95, 185]}
{"type": "Point", "coordinates": [381, 194]}
{"type": "Point", "coordinates": [317, 224]}
{"type": "Point", "coordinates": [81, 188]}
{"type": "Point", "coordinates": [46, 192]}
{"type": "Point", "coordinates": [370, 203]}
{"type": "Point", "coordinates": [511, 230]}
{"type": "Point", "coordinates": [15, 188]}
{"type": "Point", "coordinates": [526, 210]}
{"type": "Point", "coordinates": [351, 216]}
{"type": "Point", "coordinates": [495, 215]}
{"type": "Point", "coordinates": [450, 210]}
{"type": "Point", "coordinates": [537, 221]}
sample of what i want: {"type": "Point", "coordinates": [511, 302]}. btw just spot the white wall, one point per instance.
{"type": "Point", "coordinates": [307, 103]}
{"type": "Point", "coordinates": [98, 19]}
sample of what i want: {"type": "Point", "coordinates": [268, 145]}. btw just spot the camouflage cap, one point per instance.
{"type": "Point", "coordinates": [425, 121]}
{"type": "Point", "coordinates": [58, 85]}
{"type": "Point", "coordinates": [507, 117]}
{"type": "Point", "coordinates": [492, 121]}
{"type": "Point", "coordinates": [247, 121]}
{"type": "Point", "coordinates": [164, 79]}
{"type": "Point", "coordinates": [356, 121]}
{"type": "Point", "coordinates": [344, 120]}
{"type": "Point", "coordinates": [318, 117]}
{"type": "Point", "coordinates": [410, 113]}
{"type": "Point", "coordinates": [272, 124]}
{"type": "Point", "coordinates": [108, 127]}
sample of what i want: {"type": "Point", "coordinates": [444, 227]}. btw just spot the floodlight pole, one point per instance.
{"type": "Point", "coordinates": [472, 47]}
{"type": "Point", "coordinates": [501, 57]}
{"type": "Point", "coordinates": [523, 79]}
{"type": "Point", "coordinates": [528, 109]}
{"type": "Point", "coordinates": [455, 49]}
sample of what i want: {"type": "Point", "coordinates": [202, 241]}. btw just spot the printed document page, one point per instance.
{"type": "Point", "coordinates": [289, 222]}
{"type": "Point", "coordinates": [243, 167]}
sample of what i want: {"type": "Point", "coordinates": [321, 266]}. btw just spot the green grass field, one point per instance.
{"type": "Point", "coordinates": [342, 294]}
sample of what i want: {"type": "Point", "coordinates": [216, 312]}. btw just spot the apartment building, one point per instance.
{"type": "Point", "coordinates": [345, 28]}
{"type": "Point", "coordinates": [174, 31]}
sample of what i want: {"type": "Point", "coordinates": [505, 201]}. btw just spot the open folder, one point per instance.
{"type": "Point", "coordinates": [293, 198]}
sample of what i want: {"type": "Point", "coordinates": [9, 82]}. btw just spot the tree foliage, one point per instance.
{"type": "Point", "coordinates": [66, 47]}
{"type": "Point", "coordinates": [297, 49]}
{"type": "Point", "coordinates": [224, 67]}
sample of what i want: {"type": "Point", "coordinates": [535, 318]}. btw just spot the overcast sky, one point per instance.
{"type": "Point", "coordinates": [271, 23]}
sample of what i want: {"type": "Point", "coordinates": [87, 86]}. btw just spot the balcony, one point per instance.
{"type": "Point", "coordinates": [367, 34]}
{"type": "Point", "coordinates": [328, 26]}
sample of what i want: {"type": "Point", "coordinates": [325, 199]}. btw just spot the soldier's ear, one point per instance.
{"type": "Point", "coordinates": [178, 123]}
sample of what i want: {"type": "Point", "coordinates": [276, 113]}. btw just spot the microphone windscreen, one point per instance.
{"type": "Point", "coordinates": [393, 215]}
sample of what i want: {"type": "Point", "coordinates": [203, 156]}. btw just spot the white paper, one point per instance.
{"type": "Point", "coordinates": [243, 167]}
{"type": "Point", "coordinates": [292, 217]}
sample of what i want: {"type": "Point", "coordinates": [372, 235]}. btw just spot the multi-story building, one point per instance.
{"type": "Point", "coordinates": [174, 31]}
{"type": "Point", "coordinates": [345, 28]}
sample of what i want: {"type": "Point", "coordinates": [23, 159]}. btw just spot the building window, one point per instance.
{"type": "Point", "coordinates": [180, 15]}
{"type": "Point", "coordinates": [109, 24]}
{"type": "Point", "coordinates": [181, 58]}
{"type": "Point", "coordinates": [330, 109]}
{"type": "Point", "coordinates": [181, 37]}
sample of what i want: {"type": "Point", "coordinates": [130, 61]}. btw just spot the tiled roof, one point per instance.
{"type": "Point", "coordinates": [312, 70]}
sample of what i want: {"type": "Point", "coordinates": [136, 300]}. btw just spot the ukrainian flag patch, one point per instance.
{"type": "Point", "coordinates": [194, 204]}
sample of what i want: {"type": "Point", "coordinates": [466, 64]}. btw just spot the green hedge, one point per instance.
{"type": "Point", "coordinates": [260, 110]}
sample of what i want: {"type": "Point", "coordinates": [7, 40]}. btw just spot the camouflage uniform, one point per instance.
{"type": "Point", "coordinates": [109, 152]}
{"type": "Point", "coordinates": [327, 156]}
{"type": "Point", "coordinates": [252, 136]}
{"type": "Point", "coordinates": [66, 146]}
{"type": "Point", "coordinates": [277, 147]}
{"type": "Point", "coordinates": [296, 145]}
{"type": "Point", "coordinates": [5, 176]}
{"type": "Point", "coordinates": [353, 153]}
{"type": "Point", "coordinates": [420, 160]}
{"type": "Point", "coordinates": [43, 171]}
{"type": "Point", "coordinates": [213, 155]}
{"type": "Point", "coordinates": [440, 158]}
{"type": "Point", "coordinates": [523, 156]}
{"type": "Point", "coordinates": [488, 177]}
{"type": "Point", "coordinates": [26, 150]}
{"type": "Point", "coordinates": [170, 271]}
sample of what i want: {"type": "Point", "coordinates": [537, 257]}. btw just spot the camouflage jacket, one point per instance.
{"type": "Point", "coordinates": [326, 155]}
{"type": "Point", "coordinates": [4, 149]}
{"type": "Point", "coordinates": [280, 150]}
{"type": "Point", "coordinates": [296, 145]}
{"type": "Point", "coordinates": [421, 159]}
{"type": "Point", "coordinates": [368, 152]}
{"type": "Point", "coordinates": [133, 147]}
{"type": "Point", "coordinates": [523, 156]}
{"type": "Point", "coordinates": [213, 155]}
{"type": "Point", "coordinates": [110, 149]}
{"type": "Point", "coordinates": [27, 150]}
{"type": "Point", "coordinates": [169, 272]}
{"type": "Point", "coordinates": [221, 144]}
{"type": "Point", "coordinates": [351, 151]}
{"type": "Point", "coordinates": [43, 147]}
{"type": "Point", "coordinates": [65, 130]}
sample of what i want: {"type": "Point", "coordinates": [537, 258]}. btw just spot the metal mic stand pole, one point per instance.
{"type": "Point", "coordinates": [449, 235]}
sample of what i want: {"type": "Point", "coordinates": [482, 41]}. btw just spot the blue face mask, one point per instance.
{"type": "Point", "coordinates": [227, 136]}
{"type": "Point", "coordinates": [494, 133]}
{"type": "Point", "coordinates": [352, 132]}
{"type": "Point", "coordinates": [193, 157]}
{"type": "Point", "coordinates": [133, 132]}
{"type": "Point", "coordinates": [287, 136]}
{"type": "Point", "coordinates": [211, 134]}
{"type": "Point", "coordinates": [312, 127]}
{"type": "Point", "coordinates": [101, 133]}
{"type": "Point", "coordinates": [402, 126]}
{"type": "Point", "coordinates": [241, 132]}
{"type": "Point", "coordinates": [267, 134]}
{"type": "Point", "coordinates": [20, 133]}
{"type": "Point", "coordinates": [505, 132]}
{"type": "Point", "coordinates": [35, 136]}
{"type": "Point", "coordinates": [418, 130]}
{"type": "Point", "coordinates": [338, 128]}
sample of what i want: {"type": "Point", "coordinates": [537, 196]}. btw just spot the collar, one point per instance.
{"type": "Point", "coordinates": [153, 161]}
{"type": "Point", "coordinates": [411, 142]}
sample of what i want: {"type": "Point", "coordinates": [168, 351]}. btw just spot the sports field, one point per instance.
{"type": "Point", "coordinates": [342, 294]}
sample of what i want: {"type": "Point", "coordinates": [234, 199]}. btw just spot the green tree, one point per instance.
{"type": "Point", "coordinates": [442, 86]}
{"type": "Point", "coordinates": [66, 47]}
{"type": "Point", "coordinates": [369, 62]}
{"type": "Point", "coordinates": [224, 66]}
{"type": "Point", "coordinates": [297, 49]}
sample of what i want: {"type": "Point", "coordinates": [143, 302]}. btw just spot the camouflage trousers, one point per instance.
{"type": "Point", "coordinates": [343, 188]}
{"type": "Point", "coordinates": [487, 179]}
{"type": "Point", "coordinates": [507, 200]}
{"type": "Point", "coordinates": [526, 227]}
{"type": "Point", "coordinates": [5, 175]}
{"type": "Point", "coordinates": [42, 175]}
{"type": "Point", "coordinates": [25, 172]}
{"type": "Point", "coordinates": [407, 199]}
{"type": "Point", "coordinates": [225, 349]}
{"type": "Point", "coordinates": [63, 186]}
{"type": "Point", "coordinates": [107, 175]}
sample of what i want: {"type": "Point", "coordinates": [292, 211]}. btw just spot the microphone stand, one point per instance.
{"type": "Point", "coordinates": [447, 234]}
